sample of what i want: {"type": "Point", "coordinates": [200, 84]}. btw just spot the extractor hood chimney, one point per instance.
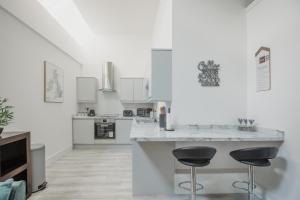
{"type": "Point", "coordinates": [108, 77]}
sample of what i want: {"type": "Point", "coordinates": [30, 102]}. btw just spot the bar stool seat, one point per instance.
{"type": "Point", "coordinates": [259, 157]}
{"type": "Point", "coordinates": [194, 163]}
{"type": "Point", "coordinates": [194, 156]}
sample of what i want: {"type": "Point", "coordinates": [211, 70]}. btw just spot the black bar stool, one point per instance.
{"type": "Point", "coordinates": [194, 156]}
{"type": "Point", "coordinates": [258, 157]}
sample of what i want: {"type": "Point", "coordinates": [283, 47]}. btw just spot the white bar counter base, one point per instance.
{"type": "Point", "coordinates": [156, 172]}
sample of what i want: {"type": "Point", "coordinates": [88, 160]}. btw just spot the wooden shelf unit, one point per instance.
{"type": "Point", "coordinates": [15, 158]}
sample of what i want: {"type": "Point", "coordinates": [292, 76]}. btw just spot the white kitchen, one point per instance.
{"type": "Point", "coordinates": [149, 99]}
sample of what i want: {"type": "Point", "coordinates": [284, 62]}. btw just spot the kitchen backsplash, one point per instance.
{"type": "Point", "coordinates": [109, 103]}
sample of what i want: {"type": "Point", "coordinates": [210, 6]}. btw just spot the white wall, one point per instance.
{"type": "Point", "coordinates": [275, 24]}
{"type": "Point", "coordinates": [204, 30]}
{"type": "Point", "coordinates": [131, 57]}
{"type": "Point", "coordinates": [22, 53]}
{"type": "Point", "coordinates": [162, 29]}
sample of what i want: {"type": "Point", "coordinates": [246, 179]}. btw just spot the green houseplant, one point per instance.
{"type": "Point", "coordinates": [6, 115]}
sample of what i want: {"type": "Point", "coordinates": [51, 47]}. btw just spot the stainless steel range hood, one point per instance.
{"type": "Point", "coordinates": [108, 77]}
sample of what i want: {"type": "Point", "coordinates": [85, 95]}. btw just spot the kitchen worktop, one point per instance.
{"type": "Point", "coordinates": [117, 118]}
{"type": "Point", "coordinates": [85, 117]}
{"type": "Point", "coordinates": [155, 171]}
{"type": "Point", "coordinates": [142, 132]}
{"type": "Point", "coordinates": [99, 117]}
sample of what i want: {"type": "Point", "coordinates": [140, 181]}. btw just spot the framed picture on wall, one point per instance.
{"type": "Point", "coordinates": [53, 83]}
{"type": "Point", "coordinates": [263, 69]}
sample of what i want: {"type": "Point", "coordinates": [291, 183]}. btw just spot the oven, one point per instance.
{"type": "Point", "coordinates": [105, 129]}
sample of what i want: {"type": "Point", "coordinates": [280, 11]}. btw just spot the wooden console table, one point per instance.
{"type": "Point", "coordinates": [15, 158]}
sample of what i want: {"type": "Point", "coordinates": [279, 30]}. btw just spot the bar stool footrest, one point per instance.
{"type": "Point", "coordinates": [235, 185]}
{"type": "Point", "coordinates": [181, 185]}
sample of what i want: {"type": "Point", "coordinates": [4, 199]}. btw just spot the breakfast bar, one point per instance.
{"type": "Point", "coordinates": [156, 172]}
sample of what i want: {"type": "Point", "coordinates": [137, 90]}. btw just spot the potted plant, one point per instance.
{"type": "Point", "coordinates": [6, 115]}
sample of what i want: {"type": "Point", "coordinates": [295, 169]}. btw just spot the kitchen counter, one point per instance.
{"type": "Point", "coordinates": [156, 171]}
{"type": "Point", "coordinates": [142, 132]}
{"type": "Point", "coordinates": [100, 117]}
{"type": "Point", "coordinates": [85, 117]}
{"type": "Point", "coordinates": [117, 118]}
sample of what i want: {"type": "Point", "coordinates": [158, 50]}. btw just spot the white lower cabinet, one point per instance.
{"type": "Point", "coordinates": [123, 128]}
{"type": "Point", "coordinates": [83, 131]}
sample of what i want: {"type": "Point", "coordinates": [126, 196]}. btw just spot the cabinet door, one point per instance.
{"type": "Point", "coordinates": [161, 75]}
{"type": "Point", "coordinates": [123, 128]}
{"type": "Point", "coordinates": [139, 90]}
{"type": "Point", "coordinates": [86, 90]}
{"type": "Point", "coordinates": [83, 131]}
{"type": "Point", "coordinates": [126, 90]}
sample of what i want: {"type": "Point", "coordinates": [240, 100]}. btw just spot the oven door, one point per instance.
{"type": "Point", "coordinates": [105, 130]}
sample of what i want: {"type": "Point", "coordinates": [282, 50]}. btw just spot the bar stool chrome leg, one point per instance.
{"type": "Point", "coordinates": [193, 183]}
{"type": "Point", "coordinates": [194, 156]}
{"type": "Point", "coordinates": [251, 185]}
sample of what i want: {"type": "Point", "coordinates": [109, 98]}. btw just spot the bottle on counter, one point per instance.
{"type": "Point", "coordinates": [169, 120]}
{"type": "Point", "coordinates": [162, 118]}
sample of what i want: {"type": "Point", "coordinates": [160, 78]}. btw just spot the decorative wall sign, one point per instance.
{"type": "Point", "coordinates": [263, 69]}
{"type": "Point", "coordinates": [209, 74]}
{"type": "Point", "coordinates": [53, 83]}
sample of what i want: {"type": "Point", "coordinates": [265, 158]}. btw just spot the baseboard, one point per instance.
{"type": "Point", "coordinates": [57, 155]}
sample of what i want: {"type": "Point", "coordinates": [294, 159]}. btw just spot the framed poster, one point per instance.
{"type": "Point", "coordinates": [53, 83]}
{"type": "Point", "coordinates": [263, 69]}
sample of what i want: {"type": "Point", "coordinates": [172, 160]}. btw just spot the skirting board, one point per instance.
{"type": "Point", "coordinates": [57, 155]}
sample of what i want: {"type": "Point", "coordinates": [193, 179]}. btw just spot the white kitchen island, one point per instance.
{"type": "Point", "coordinates": [156, 172]}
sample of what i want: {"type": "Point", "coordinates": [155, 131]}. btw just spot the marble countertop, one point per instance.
{"type": "Point", "coordinates": [142, 132]}
{"type": "Point", "coordinates": [99, 117]}
{"type": "Point", "coordinates": [84, 117]}
{"type": "Point", "coordinates": [117, 118]}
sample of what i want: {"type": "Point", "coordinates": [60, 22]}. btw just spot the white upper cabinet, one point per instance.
{"type": "Point", "coordinates": [86, 90]}
{"type": "Point", "coordinates": [126, 90]}
{"type": "Point", "coordinates": [139, 90]}
{"type": "Point", "coordinates": [132, 90]}
{"type": "Point", "coordinates": [160, 88]}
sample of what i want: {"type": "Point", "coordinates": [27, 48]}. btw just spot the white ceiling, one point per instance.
{"type": "Point", "coordinates": [118, 16]}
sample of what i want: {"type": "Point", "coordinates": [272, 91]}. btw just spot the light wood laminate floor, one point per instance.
{"type": "Point", "coordinates": [98, 173]}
